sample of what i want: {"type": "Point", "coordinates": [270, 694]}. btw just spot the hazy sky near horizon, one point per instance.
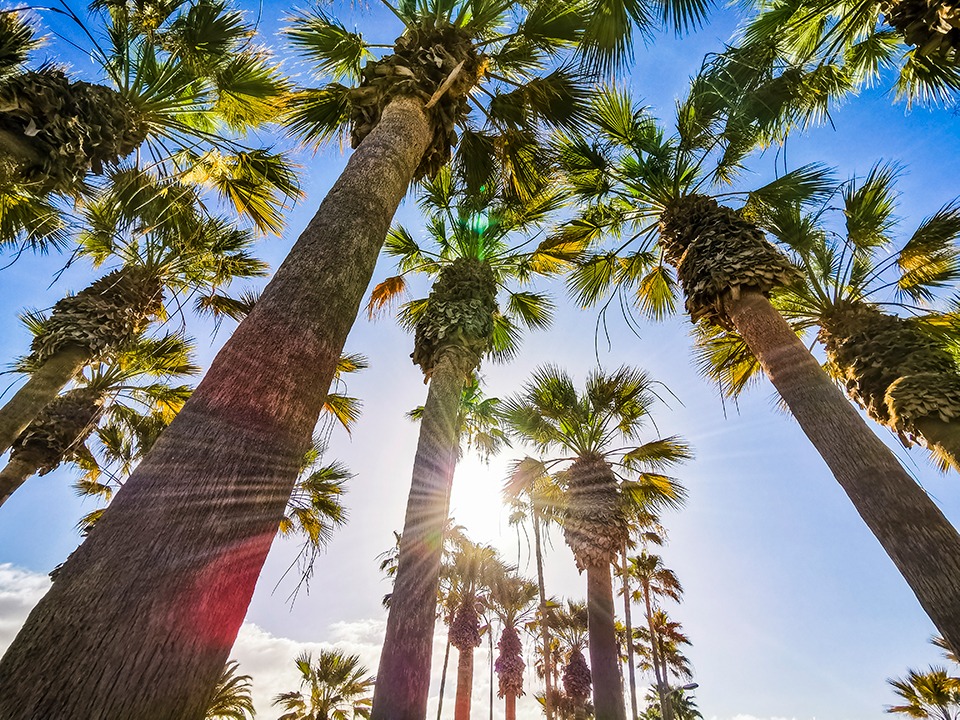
{"type": "Point", "coordinates": [793, 608]}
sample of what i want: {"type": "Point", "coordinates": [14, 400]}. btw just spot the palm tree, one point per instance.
{"type": "Point", "coordinates": [898, 369]}
{"type": "Point", "coordinates": [113, 389]}
{"type": "Point", "coordinates": [682, 706]}
{"type": "Point", "coordinates": [512, 598]}
{"type": "Point", "coordinates": [471, 567]}
{"type": "Point", "coordinates": [655, 581]}
{"type": "Point", "coordinates": [472, 260]}
{"type": "Point", "coordinates": [231, 700]}
{"type": "Point", "coordinates": [841, 49]}
{"type": "Point", "coordinates": [551, 414]}
{"type": "Point", "coordinates": [229, 459]}
{"type": "Point", "coordinates": [165, 242]}
{"type": "Point", "coordinates": [535, 496]}
{"type": "Point", "coordinates": [183, 85]}
{"type": "Point", "coordinates": [933, 694]}
{"type": "Point", "coordinates": [336, 687]}
{"type": "Point", "coordinates": [634, 176]}
{"type": "Point", "coordinates": [571, 624]}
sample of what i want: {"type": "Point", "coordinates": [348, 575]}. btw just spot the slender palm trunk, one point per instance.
{"type": "Point", "coordinates": [510, 707]}
{"type": "Point", "coordinates": [141, 618]}
{"type": "Point", "coordinates": [15, 474]}
{"type": "Point", "coordinates": [665, 709]}
{"type": "Point", "coordinates": [629, 628]}
{"type": "Point", "coordinates": [461, 710]}
{"type": "Point", "coordinates": [490, 642]}
{"type": "Point", "coordinates": [41, 389]}
{"type": "Point", "coordinates": [443, 676]}
{"type": "Point", "coordinates": [403, 680]}
{"type": "Point", "coordinates": [915, 534]}
{"type": "Point", "coordinates": [544, 625]}
{"type": "Point", "coordinates": [604, 656]}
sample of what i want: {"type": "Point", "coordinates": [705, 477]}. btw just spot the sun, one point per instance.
{"type": "Point", "coordinates": [476, 501]}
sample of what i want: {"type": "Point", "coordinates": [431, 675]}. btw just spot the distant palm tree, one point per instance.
{"type": "Point", "coordinates": [231, 700]}
{"type": "Point", "coordinates": [336, 687]}
{"type": "Point", "coordinates": [512, 598]}
{"type": "Point", "coordinates": [470, 569]}
{"type": "Point", "coordinates": [536, 497]}
{"type": "Point", "coordinates": [933, 695]}
{"type": "Point", "coordinates": [571, 624]}
{"type": "Point", "coordinates": [656, 581]}
{"type": "Point", "coordinates": [553, 415]}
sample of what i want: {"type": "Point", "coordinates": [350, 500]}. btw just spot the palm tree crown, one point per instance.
{"type": "Point", "coordinates": [335, 687]}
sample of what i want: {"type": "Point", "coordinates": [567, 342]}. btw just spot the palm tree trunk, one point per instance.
{"type": "Point", "coordinates": [490, 639]}
{"type": "Point", "coordinates": [604, 657]}
{"type": "Point", "coordinates": [544, 625]}
{"type": "Point", "coordinates": [17, 472]}
{"type": "Point", "coordinates": [665, 709]}
{"type": "Point", "coordinates": [510, 707]}
{"type": "Point", "coordinates": [915, 534]}
{"type": "Point", "coordinates": [142, 616]}
{"type": "Point", "coordinates": [41, 389]}
{"type": "Point", "coordinates": [629, 628]}
{"type": "Point", "coordinates": [403, 680]}
{"type": "Point", "coordinates": [443, 676]}
{"type": "Point", "coordinates": [461, 710]}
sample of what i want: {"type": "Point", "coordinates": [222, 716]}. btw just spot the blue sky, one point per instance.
{"type": "Point", "coordinates": [792, 606]}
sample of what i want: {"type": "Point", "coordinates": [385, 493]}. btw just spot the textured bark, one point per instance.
{"type": "Point", "coordinates": [544, 625]}
{"type": "Point", "coordinates": [403, 679]}
{"type": "Point", "coordinates": [16, 472]}
{"type": "Point", "coordinates": [141, 618]}
{"type": "Point", "coordinates": [666, 709]}
{"type": "Point", "coordinates": [604, 657]}
{"type": "Point", "coordinates": [461, 709]}
{"type": "Point", "coordinates": [628, 624]}
{"type": "Point", "coordinates": [40, 390]}
{"type": "Point", "coordinates": [915, 534]}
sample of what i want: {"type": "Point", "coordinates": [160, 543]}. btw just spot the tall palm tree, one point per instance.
{"type": "Point", "coordinates": [472, 256]}
{"type": "Point", "coordinates": [635, 178]}
{"type": "Point", "coordinates": [934, 695]}
{"type": "Point", "coordinates": [512, 598]}
{"type": "Point", "coordinates": [229, 459]}
{"type": "Point", "coordinates": [552, 415]}
{"type": "Point", "coordinates": [231, 699]}
{"type": "Point", "coordinates": [655, 581]}
{"type": "Point", "coordinates": [535, 496]}
{"type": "Point", "coordinates": [112, 389]}
{"type": "Point", "coordinates": [335, 687]}
{"type": "Point", "coordinates": [165, 243]}
{"type": "Point", "coordinates": [898, 368]}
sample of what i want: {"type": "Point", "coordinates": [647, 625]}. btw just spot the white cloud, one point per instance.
{"type": "Point", "coordinates": [20, 590]}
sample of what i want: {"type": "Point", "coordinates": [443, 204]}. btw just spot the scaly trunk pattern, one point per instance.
{"type": "Point", "coordinates": [141, 618]}
{"type": "Point", "coordinates": [628, 625]}
{"type": "Point", "coordinates": [604, 656]}
{"type": "Point", "coordinates": [915, 534]}
{"type": "Point", "coordinates": [403, 679]}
